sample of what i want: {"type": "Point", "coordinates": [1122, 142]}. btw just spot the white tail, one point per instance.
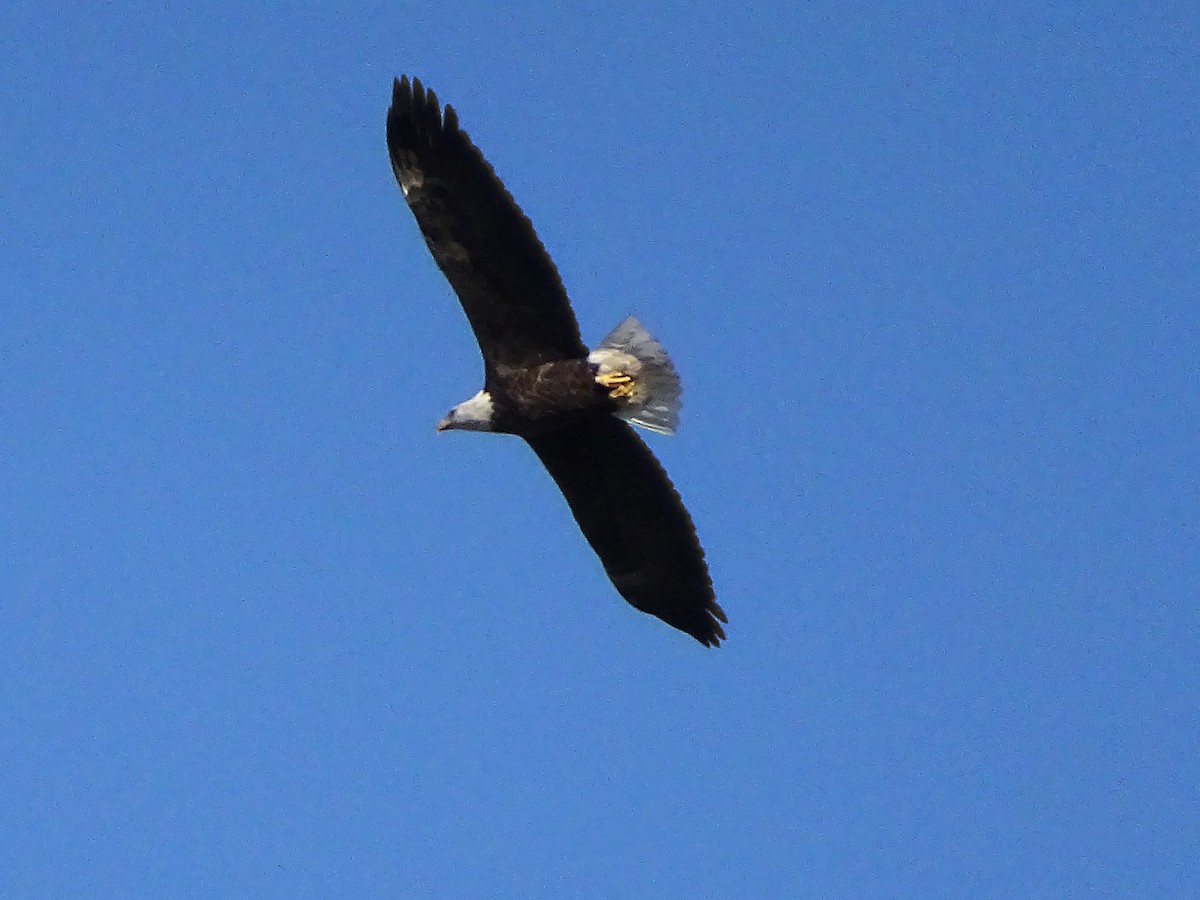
{"type": "Point", "coordinates": [653, 399]}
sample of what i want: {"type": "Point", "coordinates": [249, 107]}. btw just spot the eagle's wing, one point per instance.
{"type": "Point", "coordinates": [481, 240]}
{"type": "Point", "coordinates": [633, 518]}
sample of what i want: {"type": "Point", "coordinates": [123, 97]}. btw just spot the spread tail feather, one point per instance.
{"type": "Point", "coordinates": [651, 398]}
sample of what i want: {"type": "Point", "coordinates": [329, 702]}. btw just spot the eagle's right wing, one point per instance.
{"type": "Point", "coordinates": [483, 243]}
{"type": "Point", "coordinates": [632, 516]}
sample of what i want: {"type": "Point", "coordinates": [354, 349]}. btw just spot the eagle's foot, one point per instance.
{"type": "Point", "coordinates": [619, 384]}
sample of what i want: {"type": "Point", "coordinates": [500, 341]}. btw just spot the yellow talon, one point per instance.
{"type": "Point", "coordinates": [612, 379]}
{"type": "Point", "coordinates": [620, 384]}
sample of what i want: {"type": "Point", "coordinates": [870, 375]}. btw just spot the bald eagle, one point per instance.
{"type": "Point", "coordinates": [541, 383]}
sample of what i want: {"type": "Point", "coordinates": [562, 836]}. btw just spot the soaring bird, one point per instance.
{"type": "Point", "coordinates": [541, 383]}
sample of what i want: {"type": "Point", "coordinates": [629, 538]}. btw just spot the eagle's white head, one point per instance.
{"type": "Point", "coordinates": [470, 415]}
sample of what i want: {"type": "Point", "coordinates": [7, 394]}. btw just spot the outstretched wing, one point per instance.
{"type": "Point", "coordinates": [481, 240]}
{"type": "Point", "coordinates": [633, 518]}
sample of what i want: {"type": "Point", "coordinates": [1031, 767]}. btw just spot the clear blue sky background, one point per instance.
{"type": "Point", "coordinates": [932, 279]}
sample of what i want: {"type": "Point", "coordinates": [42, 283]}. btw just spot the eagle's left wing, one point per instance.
{"type": "Point", "coordinates": [632, 516]}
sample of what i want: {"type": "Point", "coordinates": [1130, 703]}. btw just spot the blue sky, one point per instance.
{"type": "Point", "coordinates": [931, 279]}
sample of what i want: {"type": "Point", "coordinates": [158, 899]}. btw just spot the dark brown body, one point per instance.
{"type": "Point", "coordinates": [528, 401]}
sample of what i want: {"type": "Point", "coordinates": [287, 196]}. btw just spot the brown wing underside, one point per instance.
{"type": "Point", "coordinates": [632, 516]}
{"type": "Point", "coordinates": [483, 243]}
